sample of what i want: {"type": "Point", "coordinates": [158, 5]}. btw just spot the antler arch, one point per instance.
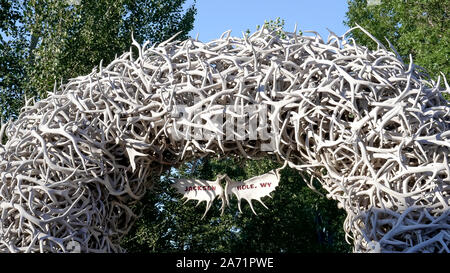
{"type": "Point", "coordinates": [373, 130]}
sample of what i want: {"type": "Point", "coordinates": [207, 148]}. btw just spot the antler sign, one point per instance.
{"type": "Point", "coordinates": [252, 189]}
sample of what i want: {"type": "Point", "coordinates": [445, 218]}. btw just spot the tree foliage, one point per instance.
{"type": "Point", "coordinates": [12, 52]}
{"type": "Point", "coordinates": [51, 41]}
{"type": "Point", "coordinates": [417, 27]}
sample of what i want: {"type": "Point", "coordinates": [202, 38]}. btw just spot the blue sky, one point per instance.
{"type": "Point", "coordinates": [216, 16]}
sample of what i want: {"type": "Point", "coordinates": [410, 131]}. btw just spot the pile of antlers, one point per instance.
{"type": "Point", "coordinates": [374, 132]}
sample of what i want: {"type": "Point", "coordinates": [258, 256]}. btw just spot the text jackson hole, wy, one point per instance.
{"type": "Point", "coordinates": [239, 188]}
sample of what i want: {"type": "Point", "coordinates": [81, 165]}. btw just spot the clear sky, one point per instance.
{"type": "Point", "coordinates": [216, 16]}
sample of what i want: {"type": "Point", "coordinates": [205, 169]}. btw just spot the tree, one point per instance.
{"type": "Point", "coordinates": [417, 27]}
{"type": "Point", "coordinates": [11, 57]}
{"type": "Point", "coordinates": [53, 41]}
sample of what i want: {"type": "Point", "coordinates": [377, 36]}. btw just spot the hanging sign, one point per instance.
{"type": "Point", "coordinates": [254, 188]}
